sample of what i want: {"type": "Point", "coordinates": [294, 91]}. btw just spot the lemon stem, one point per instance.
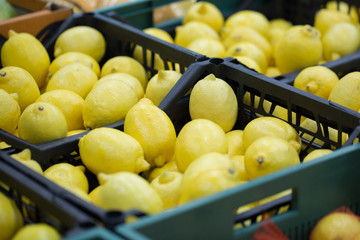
{"type": "Point", "coordinates": [231, 170]}
{"type": "Point", "coordinates": [3, 74]}
{"type": "Point", "coordinates": [41, 108]}
{"type": "Point", "coordinates": [260, 160]}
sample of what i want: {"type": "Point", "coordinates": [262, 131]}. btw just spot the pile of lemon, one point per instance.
{"type": "Point", "coordinates": [271, 47]}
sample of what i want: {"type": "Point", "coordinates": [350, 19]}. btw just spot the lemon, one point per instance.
{"type": "Point", "coordinates": [326, 17]}
{"type": "Point", "coordinates": [11, 220]}
{"type": "Point", "coordinates": [4, 145]}
{"type": "Point", "coordinates": [125, 64]}
{"type": "Point", "coordinates": [74, 132]}
{"type": "Point", "coordinates": [76, 190]}
{"type": "Point", "coordinates": [167, 185]}
{"type": "Point", "coordinates": [298, 48]}
{"type": "Point", "coordinates": [41, 122]}
{"type": "Point", "coordinates": [239, 164]}
{"type": "Point", "coordinates": [249, 18]}
{"type": "Point", "coordinates": [65, 173]}
{"type": "Point", "coordinates": [188, 32]}
{"type": "Point", "coordinates": [93, 195]}
{"type": "Point", "coordinates": [246, 34]}
{"type": "Point", "coordinates": [110, 150]}
{"type": "Point", "coordinates": [132, 81]}
{"type": "Point", "coordinates": [18, 80]}
{"type": "Point", "coordinates": [277, 28]}
{"type": "Point", "coordinates": [161, 84]}
{"type": "Point", "coordinates": [154, 130]}
{"type": "Point", "coordinates": [26, 51]}
{"type": "Point", "coordinates": [212, 98]}
{"type": "Point", "coordinates": [344, 7]}
{"type": "Point", "coordinates": [39, 231]}
{"type": "Point", "coordinates": [235, 142]}
{"type": "Point", "coordinates": [205, 12]}
{"type": "Point", "coordinates": [318, 80]}
{"type": "Point", "coordinates": [339, 40]}
{"type": "Point", "coordinates": [272, 72]}
{"type": "Point", "coordinates": [339, 225]}
{"type": "Point", "coordinates": [159, 33]}
{"type": "Point", "coordinates": [108, 103]}
{"type": "Point", "coordinates": [210, 173]}
{"type": "Point", "coordinates": [125, 191]}
{"type": "Point", "coordinates": [251, 50]}
{"type": "Point", "coordinates": [347, 91]}
{"type": "Point", "coordinates": [316, 153]}
{"type": "Point", "coordinates": [269, 154]}
{"type": "Point", "coordinates": [73, 57]}
{"type": "Point", "coordinates": [83, 39]}
{"type": "Point", "coordinates": [196, 138]}
{"type": "Point", "coordinates": [169, 166]}
{"type": "Point", "coordinates": [75, 77]}
{"type": "Point", "coordinates": [9, 111]}
{"type": "Point", "coordinates": [270, 126]}
{"type": "Point", "coordinates": [24, 157]}
{"type": "Point", "coordinates": [250, 63]}
{"type": "Point", "coordinates": [209, 47]}
{"type": "Point", "coordinates": [70, 103]}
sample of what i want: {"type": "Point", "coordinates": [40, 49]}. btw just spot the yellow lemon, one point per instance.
{"type": "Point", "coordinates": [70, 103]}
{"type": "Point", "coordinates": [235, 142]}
{"type": "Point", "coordinates": [326, 17]}
{"type": "Point", "coordinates": [110, 150]}
{"type": "Point", "coordinates": [239, 165]}
{"type": "Point", "coordinates": [167, 185]}
{"type": "Point", "coordinates": [39, 231]}
{"type": "Point", "coordinates": [210, 173]}
{"type": "Point", "coordinates": [83, 39]}
{"type": "Point", "coordinates": [11, 220]}
{"type": "Point", "coordinates": [277, 28]}
{"type": "Point", "coordinates": [169, 166]}
{"type": "Point", "coordinates": [246, 34]}
{"type": "Point", "coordinates": [209, 47]}
{"type": "Point", "coordinates": [77, 191]}
{"type": "Point", "coordinates": [212, 98]}
{"type": "Point", "coordinates": [269, 154]}
{"type": "Point", "coordinates": [272, 72]}
{"type": "Point", "coordinates": [18, 80]}
{"type": "Point", "coordinates": [154, 130]}
{"type": "Point", "coordinates": [26, 51]}
{"type": "Point", "coordinates": [75, 77]}
{"type": "Point", "coordinates": [249, 18]}
{"type": "Point", "coordinates": [161, 84]}
{"type": "Point", "coordinates": [93, 195]}
{"type": "Point", "coordinates": [270, 126]}
{"type": "Point", "coordinates": [108, 103]}
{"type": "Point", "coordinates": [73, 57]}
{"type": "Point", "coordinates": [344, 7]}
{"type": "Point", "coordinates": [65, 173]}
{"type": "Point", "coordinates": [125, 64]}
{"type": "Point", "coordinates": [339, 40]}
{"type": "Point", "coordinates": [338, 225]}
{"type": "Point", "coordinates": [132, 81]}
{"type": "Point", "coordinates": [250, 63]}
{"type": "Point", "coordinates": [125, 191]}
{"type": "Point", "coordinates": [318, 80]}
{"type": "Point", "coordinates": [188, 32]}
{"type": "Point", "coordinates": [41, 122]}
{"type": "Point", "coordinates": [159, 33]}
{"type": "Point", "coordinates": [9, 111]}
{"type": "Point", "coordinates": [316, 153]}
{"type": "Point", "coordinates": [347, 91]}
{"type": "Point", "coordinates": [251, 50]}
{"type": "Point", "coordinates": [24, 157]}
{"type": "Point", "coordinates": [298, 48]}
{"type": "Point", "coordinates": [196, 138]}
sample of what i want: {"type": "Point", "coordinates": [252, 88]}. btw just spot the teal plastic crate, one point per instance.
{"type": "Point", "coordinates": [96, 233]}
{"type": "Point", "coordinates": [319, 187]}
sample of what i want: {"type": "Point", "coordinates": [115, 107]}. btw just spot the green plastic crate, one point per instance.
{"type": "Point", "coordinates": [96, 233]}
{"type": "Point", "coordinates": [319, 187]}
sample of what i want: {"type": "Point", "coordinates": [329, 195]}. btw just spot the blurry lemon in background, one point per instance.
{"type": "Point", "coordinates": [83, 39]}
{"type": "Point", "coordinates": [26, 51]}
{"type": "Point", "coordinates": [213, 98]}
{"type": "Point", "coordinates": [344, 7]}
{"type": "Point", "coordinates": [74, 77]}
{"type": "Point", "coordinates": [207, 46]}
{"type": "Point", "coordinates": [169, 166]}
{"type": "Point", "coordinates": [9, 111]}
{"type": "Point", "coordinates": [325, 18]}
{"type": "Point", "coordinates": [70, 103]}
{"type": "Point", "coordinates": [318, 80]}
{"type": "Point", "coordinates": [18, 80]}
{"type": "Point", "coordinates": [250, 63]}
{"type": "Point", "coordinates": [153, 129]}
{"type": "Point", "coordinates": [235, 142]}
{"type": "Point", "coordinates": [239, 164]}
{"type": "Point", "coordinates": [11, 219]}
{"type": "Point", "coordinates": [316, 154]}
{"type": "Point", "coordinates": [196, 138]}
{"type": "Point", "coordinates": [41, 122]}
{"type": "Point", "coordinates": [25, 158]}
{"type": "Point", "coordinates": [40, 231]}
{"type": "Point", "coordinates": [159, 33]}
{"type": "Point", "coordinates": [161, 84]}
{"type": "Point", "coordinates": [125, 64]}
{"type": "Point", "coordinates": [205, 12]}
{"type": "Point", "coordinates": [110, 150]}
